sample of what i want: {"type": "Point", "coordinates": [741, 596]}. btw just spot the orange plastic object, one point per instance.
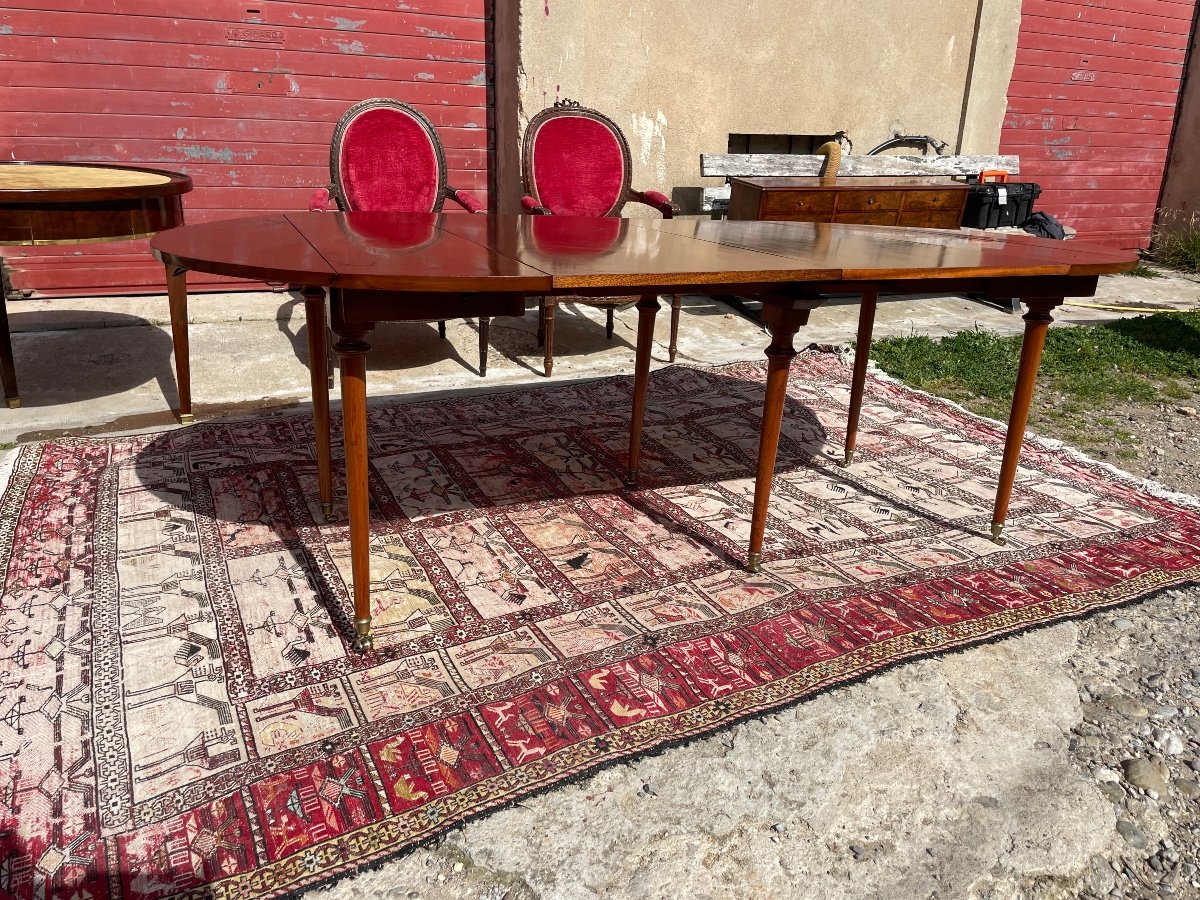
{"type": "Point", "coordinates": [993, 175]}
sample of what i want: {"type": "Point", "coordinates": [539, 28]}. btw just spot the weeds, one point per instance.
{"type": "Point", "coordinates": [1176, 241]}
{"type": "Point", "coordinates": [1087, 370]}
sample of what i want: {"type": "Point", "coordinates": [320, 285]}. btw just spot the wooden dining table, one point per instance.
{"type": "Point", "coordinates": [44, 203]}
{"type": "Point", "coordinates": [385, 266]}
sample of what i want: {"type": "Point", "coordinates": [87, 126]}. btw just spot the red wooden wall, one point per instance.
{"type": "Point", "coordinates": [1091, 105]}
{"type": "Point", "coordinates": [242, 96]}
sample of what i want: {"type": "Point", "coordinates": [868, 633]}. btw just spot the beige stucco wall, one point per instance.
{"type": "Point", "coordinates": [680, 75]}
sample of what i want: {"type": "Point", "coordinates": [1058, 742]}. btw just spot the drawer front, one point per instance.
{"type": "Point", "coordinates": [866, 201]}
{"type": "Point", "coordinates": [868, 217]}
{"type": "Point", "coordinates": [952, 200]}
{"type": "Point", "coordinates": [938, 218]}
{"type": "Point", "coordinates": [785, 203]}
{"type": "Point", "coordinates": [822, 216]}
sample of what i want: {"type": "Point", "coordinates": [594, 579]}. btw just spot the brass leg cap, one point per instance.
{"type": "Point", "coordinates": [327, 510]}
{"type": "Point", "coordinates": [14, 402]}
{"type": "Point", "coordinates": [754, 562]}
{"type": "Point", "coordinates": [363, 641]}
{"type": "Point", "coordinates": [848, 461]}
{"type": "Point", "coordinates": [631, 478]}
{"type": "Point", "coordinates": [998, 534]}
{"type": "Point", "coordinates": [186, 418]}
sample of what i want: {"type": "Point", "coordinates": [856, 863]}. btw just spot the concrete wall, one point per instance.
{"type": "Point", "coordinates": [679, 76]}
{"type": "Point", "coordinates": [1181, 188]}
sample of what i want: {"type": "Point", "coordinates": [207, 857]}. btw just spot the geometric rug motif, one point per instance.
{"type": "Point", "coordinates": [180, 712]}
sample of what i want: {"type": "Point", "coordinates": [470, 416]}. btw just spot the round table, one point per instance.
{"type": "Point", "coordinates": [73, 203]}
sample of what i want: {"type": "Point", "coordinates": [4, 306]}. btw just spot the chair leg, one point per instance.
{"type": "Point", "coordinates": [676, 302]}
{"type": "Point", "coordinates": [442, 330]}
{"type": "Point", "coordinates": [329, 354]}
{"type": "Point", "coordinates": [485, 328]}
{"type": "Point", "coordinates": [541, 337]}
{"type": "Point", "coordinates": [608, 328]}
{"type": "Point", "coordinates": [548, 307]}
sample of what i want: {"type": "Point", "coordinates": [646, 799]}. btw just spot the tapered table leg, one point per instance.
{"type": "Point", "coordinates": [862, 355]}
{"type": "Point", "coordinates": [673, 347]}
{"type": "Point", "coordinates": [485, 330]}
{"type": "Point", "coordinates": [352, 351]}
{"type": "Point", "coordinates": [647, 308]}
{"type": "Point", "coordinates": [177, 298]}
{"type": "Point", "coordinates": [784, 322]}
{"type": "Point", "coordinates": [318, 367]}
{"type": "Point", "coordinates": [550, 304]}
{"type": "Point", "coordinates": [1037, 320]}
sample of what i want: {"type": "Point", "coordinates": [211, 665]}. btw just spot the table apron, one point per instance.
{"type": "Point", "coordinates": [363, 306]}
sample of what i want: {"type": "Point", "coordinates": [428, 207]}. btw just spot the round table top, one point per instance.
{"type": "Point", "coordinates": [64, 182]}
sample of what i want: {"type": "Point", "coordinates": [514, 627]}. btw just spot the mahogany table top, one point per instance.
{"type": "Point", "coordinates": [440, 252]}
{"type": "Point", "coordinates": [61, 182]}
{"type": "Point", "coordinates": [68, 203]}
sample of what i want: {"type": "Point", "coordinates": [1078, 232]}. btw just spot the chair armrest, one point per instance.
{"type": "Point", "coordinates": [464, 199]}
{"type": "Point", "coordinates": [653, 198]}
{"type": "Point", "coordinates": [531, 206]}
{"type": "Point", "coordinates": [319, 202]}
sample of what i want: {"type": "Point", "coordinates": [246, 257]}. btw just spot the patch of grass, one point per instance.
{"type": "Point", "coordinates": [1176, 242]}
{"type": "Point", "coordinates": [1085, 369]}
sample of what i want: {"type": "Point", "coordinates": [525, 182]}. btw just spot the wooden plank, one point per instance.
{"type": "Point", "coordinates": [1070, 43]}
{"type": "Point", "coordinates": [325, 113]}
{"type": "Point", "coordinates": [1083, 155]}
{"type": "Point", "coordinates": [236, 10]}
{"type": "Point", "coordinates": [213, 132]}
{"type": "Point", "coordinates": [312, 158]}
{"type": "Point", "coordinates": [1096, 77]}
{"type": "Point", "coordinates": [1068, 124]}
{"type": "Point", "coordinates": [1090, 108]}
{"type": "Point", "coordinates": [244, 59]}
{"type": "Point", "coordinates": [1022, 138]}
{"type": "Point", "coordinates": [423, 93]}
{"type": "Point", "coordinates": [1163, 20]}
{"type": "Point", "coordinates": [203, 33]}
{"type": "Point", "coordinates": [764, 164]}
{"type": "Point", "coordinates": [1148, 38]}
{"type": "Point", "coordinates": [1085, 92]}
{"type": "Point", "coordinates": [1147, 184]}
{"type": "Point", "coordinates": [1073, 61]}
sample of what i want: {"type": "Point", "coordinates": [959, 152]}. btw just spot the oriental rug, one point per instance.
{"type": "Point", "coordinates": [180, 712]}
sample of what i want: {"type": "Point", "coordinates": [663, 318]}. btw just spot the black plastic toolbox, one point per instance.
{"type": "Point", "coordinates": [995, 203]}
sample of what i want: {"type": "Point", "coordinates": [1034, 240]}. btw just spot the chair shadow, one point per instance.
{"type": "Point", "coordinates": [89, 355]}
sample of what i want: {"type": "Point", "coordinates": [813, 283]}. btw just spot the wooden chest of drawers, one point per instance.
{"type": "Point", "coordinates": [917, 202]}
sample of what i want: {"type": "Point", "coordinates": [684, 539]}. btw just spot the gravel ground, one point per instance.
{"type": "Point", "coordinates": [1138, 673]}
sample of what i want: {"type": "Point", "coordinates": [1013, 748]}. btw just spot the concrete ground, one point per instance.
{"type": "Point", "coordinates": [944, 778]}
{"type": "Point", "coordinates": [104, 365]}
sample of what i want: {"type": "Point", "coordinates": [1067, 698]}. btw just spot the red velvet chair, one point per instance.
{"type": "Point", "coordinates": [577, 163]}
{"type": "Point", "coordinates": [386, 157]}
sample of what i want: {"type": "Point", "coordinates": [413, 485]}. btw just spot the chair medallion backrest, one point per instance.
{"type": "Point", "coordinates": [385, 156]}
{"type": "Point", "coordinates": [576, 161]}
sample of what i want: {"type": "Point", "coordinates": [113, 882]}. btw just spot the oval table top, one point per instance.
{"type": "Point", "coordinates": [76, 203]}
{"type": "Point", "coordinates": [69, 182]}
{"type": "Point", "coordinates": [435, 252]}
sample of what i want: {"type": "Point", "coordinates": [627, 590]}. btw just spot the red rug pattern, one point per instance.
{"type": "Point", "coordinates": [180, 712]}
